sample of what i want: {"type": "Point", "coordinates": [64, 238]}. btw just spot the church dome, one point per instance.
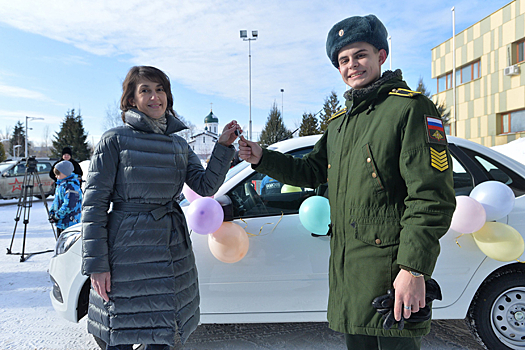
{"type": "Point", "coordinates": [211, 118]}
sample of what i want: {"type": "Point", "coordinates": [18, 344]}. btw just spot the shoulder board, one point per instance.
{"type": "Point", "coordinates": [337, 114]}
{"type": "Point", "coordinates": [404, 92]}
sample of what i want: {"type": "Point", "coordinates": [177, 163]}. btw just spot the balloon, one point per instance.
{"type": "Point", "coordinates": [204, 215]}
{"type": "Point", "coordinates": [469, 215]}
{"type": "Point", "coordinates": [499, 241]}
{"type": "Point", "coordinates": [290, 189]}
{"type": "Point", "coordinates": [314, 214]}
{"type": "Point", "coordinates": [229, 243]}
{"type": "Point", "coordinates": [496, 197]}
{"type": "Point", "coordinates": [189, 194]}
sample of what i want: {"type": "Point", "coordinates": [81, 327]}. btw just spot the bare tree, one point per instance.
{"type": "Point", "coordinates": [190, 131]}
{"type": "Point", "coordinates": [113, 116]}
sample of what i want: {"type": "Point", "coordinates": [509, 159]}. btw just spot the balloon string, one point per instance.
{"type": "Point", "coordinates": [260, 230]}
{"type": "Point", "coordinates": [459, 245]}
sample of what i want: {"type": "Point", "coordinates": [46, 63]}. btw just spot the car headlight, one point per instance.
{"type": "Point", "coordinates": [66, 241]}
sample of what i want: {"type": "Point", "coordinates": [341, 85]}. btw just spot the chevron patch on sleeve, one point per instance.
{"type": "Point", "coordinates": [439, 160]}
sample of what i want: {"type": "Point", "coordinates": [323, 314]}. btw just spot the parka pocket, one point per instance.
{"type": "Point", "coordinates": [379, 235]}
{"type": "Point", "coordinates": [371, 167]}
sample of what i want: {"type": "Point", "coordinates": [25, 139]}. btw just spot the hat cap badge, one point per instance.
{"type": "Point", "coordinates": [341, 32]}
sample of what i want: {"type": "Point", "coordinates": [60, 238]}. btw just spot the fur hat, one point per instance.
{"type": "Point", "coordinates": [66, 150]}
{"type": "Point", "coordinates": [354, 29]}
{"type": "Point", "coordinates": [65, 167]}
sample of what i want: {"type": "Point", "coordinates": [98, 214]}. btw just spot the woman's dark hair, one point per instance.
{"type": "Point", "coordinates": [130, 83]}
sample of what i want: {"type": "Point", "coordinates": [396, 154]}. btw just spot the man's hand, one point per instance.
{"type": "Point", "coordinates": [101, 282]}
{"type": "Point", "coordinates": [228, 135]}
{"type": "Point", "coordinates": [249, 151]}
{"type": "Point", "coordinates": [410, 292]}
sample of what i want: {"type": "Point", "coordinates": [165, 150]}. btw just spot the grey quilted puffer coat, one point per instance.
{"type": "Point", "coordinates": [144, 241]}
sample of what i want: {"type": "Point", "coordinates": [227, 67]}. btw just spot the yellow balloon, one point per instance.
{"type": "Point", "coordinates": [290, 189]}
{"type": "Point", "coordinates": [499, 241]}
{"type": "Point", "coordinates": [229, 243]}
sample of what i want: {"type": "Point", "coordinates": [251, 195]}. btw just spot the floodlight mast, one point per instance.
{"type": "Point", "coordinates": [244, 37]}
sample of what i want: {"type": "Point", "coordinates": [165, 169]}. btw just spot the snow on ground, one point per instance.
{"type": "Point", "coordinates": [514, 149]}
{"type": "Point", "coordinates": [27, 319]}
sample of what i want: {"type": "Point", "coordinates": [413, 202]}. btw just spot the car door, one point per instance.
{"type": "Point", "coordinates": [460, 257]}
{"type": "Point", "coordinates": [285, 269]}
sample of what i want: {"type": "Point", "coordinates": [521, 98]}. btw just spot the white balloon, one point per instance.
{"type": "Point", "coordinates": [496, 197]}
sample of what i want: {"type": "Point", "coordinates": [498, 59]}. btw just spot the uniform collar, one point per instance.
{"type": "Point", "coordinates": [353, 95]}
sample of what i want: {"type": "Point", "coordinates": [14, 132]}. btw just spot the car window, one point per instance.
{"type": "Point", "coordinates": [43, 167]}
{"type": "Point", "coordinates": [260, 195]}
{"type": "Point", "coordinates": [498, 172]}
{"type": "Point", "coordinates": [463, 180]}
{"type": "Point", "coordinates": [5, 166]}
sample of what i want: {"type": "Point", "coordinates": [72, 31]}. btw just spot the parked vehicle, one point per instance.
{"type": "Point", "coordinates": [284, 276]}
{"type": "Point", "coordinates": [12, 178]}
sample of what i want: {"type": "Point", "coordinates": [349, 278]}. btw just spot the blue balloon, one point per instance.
{"type": "Point", "coordinates": [496, 197]}
{"type": "Point", "coordinates": [314, 214]}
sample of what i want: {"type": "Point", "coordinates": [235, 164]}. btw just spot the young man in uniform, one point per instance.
{"type": "Point", "coordinates": [389, 172]}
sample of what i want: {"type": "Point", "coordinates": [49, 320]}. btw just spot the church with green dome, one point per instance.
{"type": "Point", "coordinates": [202, 143]}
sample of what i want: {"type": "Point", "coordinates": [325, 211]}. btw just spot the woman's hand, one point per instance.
{"type": "Point", "coordinates": [101, 282]}
{"type": "Point", "coordinates": [249, 151]}
{"type": "Point", "coordinates": [228, 135]}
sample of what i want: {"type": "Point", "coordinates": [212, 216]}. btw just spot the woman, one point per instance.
{"type": "Point", "coordinates": [139, 256]}
{"type": "Point", "coordinates": [67, 155]}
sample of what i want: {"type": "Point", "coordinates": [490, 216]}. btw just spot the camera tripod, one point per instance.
{"type": "Point", "coordinates": [25, 202]}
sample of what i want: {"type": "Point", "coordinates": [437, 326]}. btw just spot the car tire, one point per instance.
{"type": "Point", "coordinates": [496, 316]}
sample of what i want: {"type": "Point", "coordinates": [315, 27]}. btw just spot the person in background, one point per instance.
{"type": "Point", "coordinates": [386, 161]}
{"type": "Point", "coordinates": [66, 207]}
{"type": "Point", "coordinates": [139, 255]}
{"type": "Point", "coordinates": [67, 155]}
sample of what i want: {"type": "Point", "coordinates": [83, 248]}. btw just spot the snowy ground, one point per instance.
{"type": "Point", "coordinates": [28, 320]}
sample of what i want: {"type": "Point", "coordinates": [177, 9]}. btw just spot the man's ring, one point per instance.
{"type": "Point", "coordinates": [407, 307]}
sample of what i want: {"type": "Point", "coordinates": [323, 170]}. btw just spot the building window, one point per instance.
{"type": "Point", "coordinates": [203, 140]}
{"type": "Point", "coordinates": [447, 129]}
{"type": "Point", "coordinates": [463, 75]}
{"type": "Point", "coordinates": [512, 122]}
{"type": "Point", "coordinates": [520, 54]}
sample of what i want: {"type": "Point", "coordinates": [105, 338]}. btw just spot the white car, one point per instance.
{"type": "Point", "coordinates": [284, 276]}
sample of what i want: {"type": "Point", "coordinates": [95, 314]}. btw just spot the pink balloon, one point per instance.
{"type": "Point", "coordinates": [469, 215]}
{"type": "Point", "coordinates": [189, 194]}
{"type": "Point", "coordinates": [204, 215]}
{"type": "Point", "coordinates": [229, 243]}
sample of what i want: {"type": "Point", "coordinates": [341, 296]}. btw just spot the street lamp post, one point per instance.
{"type": "Point", "coordinates": [282, 103]}
{"type": "Point", "coordinates": [27, 133]}
{"type": "Point", "coordinates": [244, 37]}
{"type": "Point", "coordinates": [14, 148]}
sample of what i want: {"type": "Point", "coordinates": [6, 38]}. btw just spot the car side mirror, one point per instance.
{"type": "Point", "coordinates": [227, 207]}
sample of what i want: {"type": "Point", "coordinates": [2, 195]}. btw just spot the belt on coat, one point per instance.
{"type": "Point", "coordinates": [158, 211]}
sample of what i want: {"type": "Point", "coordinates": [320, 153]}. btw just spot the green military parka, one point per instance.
{"type": "Point", "coordinates": [391, 197]}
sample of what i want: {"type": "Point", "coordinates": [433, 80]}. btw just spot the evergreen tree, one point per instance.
{"type": "Point", "coordinates": [73, 135]}
{"type": "Point", "coordinates": [309, 125]}
{"type": "Point", "coordinates": [330, 107]}
{"type": "Point", "coordinates": [18, 139]}
{"type": "Point", "coordinates": [274, 129]}
{"type": "Point", "coordinates": [2, 152]}
{"type": "Point", "coordinates": [442, 109]}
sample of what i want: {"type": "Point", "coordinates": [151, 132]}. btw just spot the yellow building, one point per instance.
{"type": "Point", "coordinates": [490, 77]}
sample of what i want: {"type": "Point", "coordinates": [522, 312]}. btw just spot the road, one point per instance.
{"type": "Point", "coordinates": [445, 335]}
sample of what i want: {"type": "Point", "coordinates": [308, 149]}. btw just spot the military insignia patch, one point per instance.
{"type": "Point", "coordinates": [438, 160]}
{"type": "Point", "coordinates": [435, 130]}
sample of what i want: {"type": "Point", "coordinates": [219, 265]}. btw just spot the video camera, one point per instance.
{"type": "Point", "coordinates": [31, 164]}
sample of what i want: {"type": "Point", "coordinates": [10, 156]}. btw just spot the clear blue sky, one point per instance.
{"type": "Point", "coordinates": [59, 55]}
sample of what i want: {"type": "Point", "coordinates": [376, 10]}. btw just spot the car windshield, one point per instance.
{"type": "Point", "coordinates": [5, 166]}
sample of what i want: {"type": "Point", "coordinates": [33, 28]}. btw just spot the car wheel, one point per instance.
{"type": "Point", "coordinates": [102, 344]}
{"type": "Point", "coordinates": [497, 313]}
